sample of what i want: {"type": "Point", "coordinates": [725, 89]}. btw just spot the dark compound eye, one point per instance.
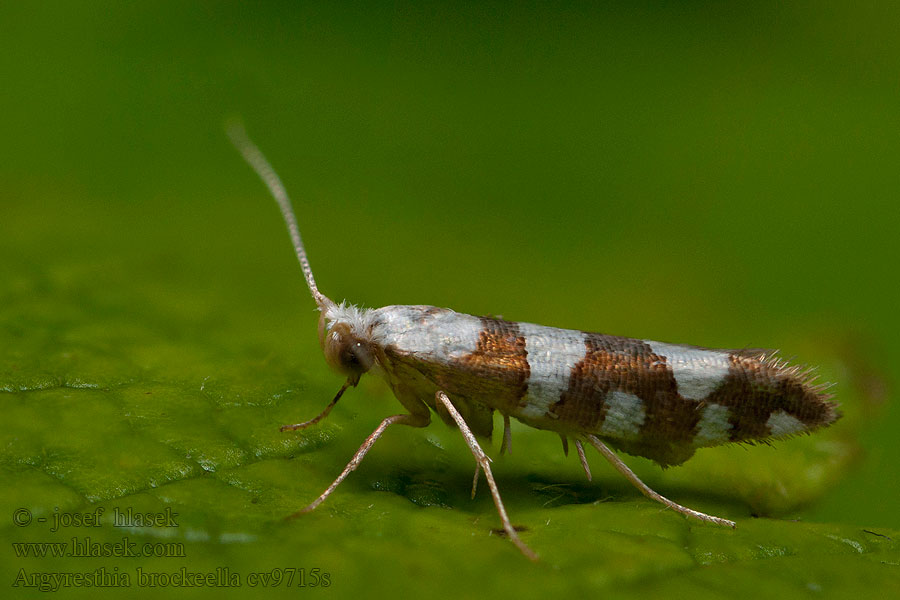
{"type": "Point", "coordinates": [358, 357]}
{"type": "Point", "coordinates": [345, 353]}
{"type": "Point", "coordinates": [349, 358]}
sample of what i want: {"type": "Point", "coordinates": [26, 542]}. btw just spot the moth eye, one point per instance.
{"type": "Point", "coordinates": [345, 353]}
{"type": "Point", "coordinates": [358, 357]}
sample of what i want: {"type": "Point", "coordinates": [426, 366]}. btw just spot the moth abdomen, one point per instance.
{"type": "Point", "coordinates": [765, 398]}
{"type": "Point", "coordinates": [662, 401]}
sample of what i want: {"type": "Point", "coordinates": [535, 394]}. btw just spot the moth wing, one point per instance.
{"type": "Point", "coordinates": [425, 377]}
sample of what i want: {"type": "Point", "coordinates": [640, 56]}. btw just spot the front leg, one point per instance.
{"type": "Point", "coordinates": [411, 420]}
{"type": "Point", "coordinates": [484, 463]}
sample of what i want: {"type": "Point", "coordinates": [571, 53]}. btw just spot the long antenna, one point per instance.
{"type": "Point", "coordinates": [255, 158]}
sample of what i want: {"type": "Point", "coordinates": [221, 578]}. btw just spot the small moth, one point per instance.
{"type": "Point", "coordinates": [652, 399]}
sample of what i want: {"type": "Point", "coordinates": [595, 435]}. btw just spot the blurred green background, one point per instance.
{"type": "Point", "coordinates": [693, 172]}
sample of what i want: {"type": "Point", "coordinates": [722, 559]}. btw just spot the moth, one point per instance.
{"type": "Point", "coordinates": [645, 398]}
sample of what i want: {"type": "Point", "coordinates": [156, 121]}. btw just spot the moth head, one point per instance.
{"type": "Point", "coordinates": [345, 352]}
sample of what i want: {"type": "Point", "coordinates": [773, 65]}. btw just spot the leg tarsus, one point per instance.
{"type": "Point", "coordinates": [630, 476]}
{"type": "Point", "coordinates": [411, 420]}
{"type": "Point", "coordinates": [484, 463]}
{"type": "Point", "coordinates": [583, 459]}
{"type": "Point", "coordinates": [322, 415]}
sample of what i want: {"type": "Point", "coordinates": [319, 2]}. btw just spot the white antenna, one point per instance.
{"type": "Point", "coordinates": [255, 158]}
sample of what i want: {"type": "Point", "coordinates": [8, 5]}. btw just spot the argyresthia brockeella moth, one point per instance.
{"type": "Point", "coordinates": [652, 399]}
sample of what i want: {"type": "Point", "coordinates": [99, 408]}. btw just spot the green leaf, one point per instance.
{"type": "Point", "coordinates": [671, 171]}
{"type": "Point", "coordinates": [145, 402]}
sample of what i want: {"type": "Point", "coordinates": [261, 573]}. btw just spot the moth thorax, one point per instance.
{"type": "Point", "coordinates": [344, 352]}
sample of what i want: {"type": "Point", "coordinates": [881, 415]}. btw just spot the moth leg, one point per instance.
{"type": "Point", "coordinates": [411, 420]}
{"type": "Point", "coordinates": [630, 476]}
{"type": "Point", "coordinates": [583, 458]}
{"type": "Point", "coordinates": [507, 438]}
{"type": "Point", "coordinates": [322, 415]}
{"type": "Point", "coordinates": [506, 445]}
{"type": "Point", "coordinates": [484, 463]}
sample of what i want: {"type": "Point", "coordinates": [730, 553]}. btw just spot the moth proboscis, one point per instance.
{"type": "Point", "coordinates": [652, 399]}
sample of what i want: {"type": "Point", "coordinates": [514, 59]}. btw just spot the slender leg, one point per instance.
{"type": "Point", "coordinates": [484, 463]}
{"type": "Point", "coordinates": [630, 476]}
{"type": "Point", "coordinates": [507, 437]}
{"type": "Point", "coordinates": [505, 445]}
{"type": "Point", "coordinates": [411, 420]}
{"type": "Point", "coordinates": [583, 458]}
{"type": "Point", "coordinates": [321, 416]}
